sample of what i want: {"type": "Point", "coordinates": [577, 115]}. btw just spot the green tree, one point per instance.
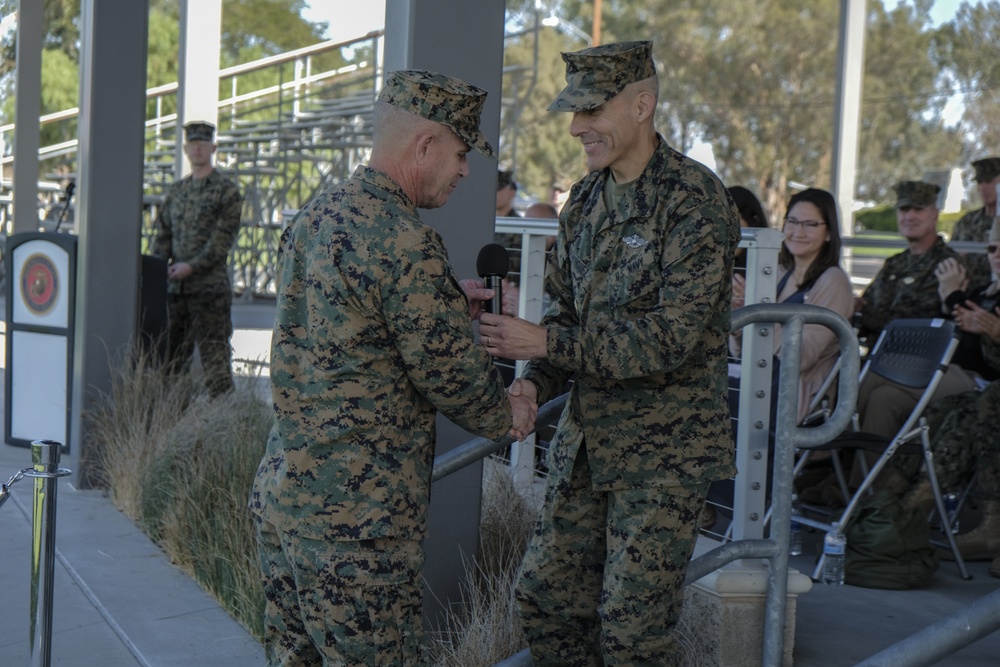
{"type": "Point", "coordinates": [264, 27]}
{"type": "Point", "coordinates": [969, 47]}
{"type": "Point", "coordinates": [903, 131]}
{"type": "Point", "coordinates": [756, 80]}
{"type": "Point", "coordinates": [534, 141]}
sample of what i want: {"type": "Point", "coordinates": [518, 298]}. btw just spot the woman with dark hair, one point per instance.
{"type": "Point", "coordinates": [751, 215]}
{"type": "Point", "coordinates": [809, 260]}
{"type": "Point", "coordinates": [810, 273]}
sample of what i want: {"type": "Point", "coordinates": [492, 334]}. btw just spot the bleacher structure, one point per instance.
{"type": "Point", "coordinates": [282, 140]}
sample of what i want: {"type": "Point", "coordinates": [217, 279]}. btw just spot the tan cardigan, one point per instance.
{"type": "Point", "coordinates": [819, 345]}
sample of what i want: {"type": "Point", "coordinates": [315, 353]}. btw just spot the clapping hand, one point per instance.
{"type": "Point", "coordinates": [976, 320]}
{"type": "Point", "coordinates": [951, 277]}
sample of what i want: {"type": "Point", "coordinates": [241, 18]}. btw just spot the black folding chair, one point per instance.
{"type": "Point", "coordinates": [914, 353]}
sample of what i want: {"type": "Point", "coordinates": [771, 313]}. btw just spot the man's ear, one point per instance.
{"type": "Point", "coordinates": [645, 105]}
{"type": "Point", "coordinates": [422, 146]}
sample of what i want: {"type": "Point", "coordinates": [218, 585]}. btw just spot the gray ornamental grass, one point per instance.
{"type": "Point", "coordinates": [180, 465]}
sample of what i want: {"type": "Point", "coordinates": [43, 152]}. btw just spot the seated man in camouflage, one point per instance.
{"type": "Point", "coordinates": [906, 287]}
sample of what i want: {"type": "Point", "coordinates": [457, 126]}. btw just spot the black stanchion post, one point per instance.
{"type": "Point", "coordinates": [45, 471]}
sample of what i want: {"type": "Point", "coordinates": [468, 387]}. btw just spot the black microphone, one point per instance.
{"type": "Point", "coordinates": [492, 266]}
{"type": "Point", "coordinates": [67, 195]}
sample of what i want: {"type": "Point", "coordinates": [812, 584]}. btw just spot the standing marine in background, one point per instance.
{"type": "Point", "coordinates": [195, 230]}
{"type": "Point", "coordinates": [906, 286]}
{"type": "Point", "coordinates": [975, 225]}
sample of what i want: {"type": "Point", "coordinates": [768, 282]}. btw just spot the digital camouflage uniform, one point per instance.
{"type": "Point", "coordinates": [640, 318]}
{"type": "Point", "coordinates": [905, 287]}
{"type": "Point", "coordinates": [198, 223]}
{"type": "Point", "coordinates": [964, 440]}
{"type": "Point", "coordinates": [964, 427]}
{"type": "Point", "coordinates": [975, 226]}
{"type": "Point", "coordinates": [958, 436]}
{"type": "Point", "coordinates": [372, 337]}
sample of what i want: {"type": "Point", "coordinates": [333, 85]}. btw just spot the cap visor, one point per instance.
{"type": "Point", "coordinates": [480, 144]}
{"type": "Point", "coordinates": [571, 99]}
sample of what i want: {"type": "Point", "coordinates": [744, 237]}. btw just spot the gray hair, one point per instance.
{"type": "Point", "coordinates": [394, 125]}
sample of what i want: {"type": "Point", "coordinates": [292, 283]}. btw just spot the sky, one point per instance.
{"type": "Point", "coordinates": [943, 10]}
{"type": "Point", "coordinates": [347, 18]}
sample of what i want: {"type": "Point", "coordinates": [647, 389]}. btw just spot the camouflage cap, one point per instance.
{"type": "Point", "coordinates": [199, 130]}
{"type": "Point", "coordinates": [505, 178]}
{"type": "Point", "coordinates": [986, 169]}
{"type": "Point", "coordinates": [595, 75]}
{"type": "Point", "coordinates": [916, 193]}
{"type": "Point", "coordinates": [442, 99]}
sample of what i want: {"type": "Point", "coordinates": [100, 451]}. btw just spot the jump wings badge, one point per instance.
{"type": "Point", "coordinates": [634, 241]}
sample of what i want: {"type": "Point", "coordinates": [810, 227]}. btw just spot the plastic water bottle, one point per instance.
{"type": "Point", "coordinates": [834, 553]}
{"type": "Point", "coordinates": [951, 509]}
{"type": "Point", "coordinates": [795, 529]}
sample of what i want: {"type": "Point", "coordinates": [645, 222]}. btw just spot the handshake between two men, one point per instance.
{"type": "Point", "coordinates": [508, 337]}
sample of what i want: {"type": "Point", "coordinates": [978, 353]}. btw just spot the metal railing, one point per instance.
{"type": "Point", "coordinates": [301, 84]}
{"type": "Point", "coordinates": [282, 142]}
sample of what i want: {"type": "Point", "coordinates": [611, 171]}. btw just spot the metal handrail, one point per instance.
{"type": "Point", "coordinates": [479, 448]}
{"type": "Point", "coordinates": [942, 638]}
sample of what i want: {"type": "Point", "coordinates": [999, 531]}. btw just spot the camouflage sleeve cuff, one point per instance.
{"type": "Point", "coordinates": [563, 346]}
{"type": "Point", "coordinates": [550, 375]}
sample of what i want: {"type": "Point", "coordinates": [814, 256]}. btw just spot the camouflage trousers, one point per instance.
{"type": "Point", "coordinates": [205, 321]}
{"type": "Point", "coordinates": [340, 604]}
{"type": "Point", "coordinates": [964, 439]}
{"type": "Point", "coordinates": [602, 582]}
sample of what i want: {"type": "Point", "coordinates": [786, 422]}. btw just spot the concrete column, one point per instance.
{"type": "Point", "coordinates": [463, 39]}
{"type": "Point", "coordinates": [27, 110]}
{"type": "Point", "coordinates": [109, 198]}
{"type": "Point", "coordinates": [847, 113]}
{"type": "Point", "coordinates": [198, 78]}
